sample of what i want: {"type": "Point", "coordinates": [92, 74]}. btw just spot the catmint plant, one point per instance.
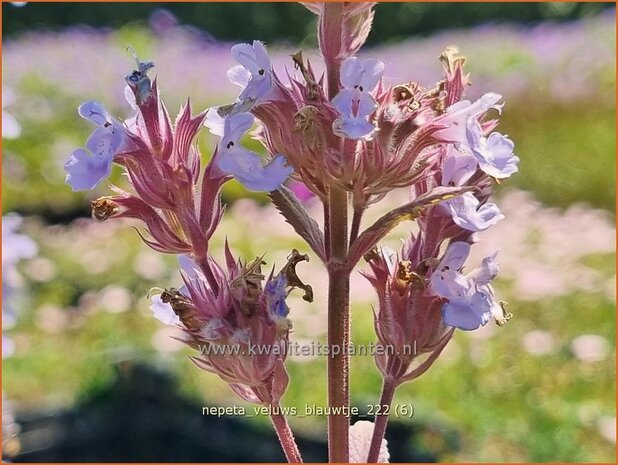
{"type": "Point", "coordinates": [348, 138]}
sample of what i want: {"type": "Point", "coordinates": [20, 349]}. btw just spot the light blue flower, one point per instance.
{"type": "Point", "coordinates": [254, 75]}
{"type": "Point", "coordinates": [471, 302]}
{"type": "Point", "coordinates": [191, 272]}
{"type": "Point", "coordinates": [355, 107]}
{"type": "Point", "coordinates": [354, 102]}
{"type": "Point", "coordinates": [493, 153]}
{"type": "Point", "coordinates": [457, 116]}
{"type": "Point", "coordinates": [467, 213]}
{"type": "Point", "coordinates": [246, 166]}
{"type": "Point", "coordinates": [467, 316]}
{"type": "Point", "coordinates": [87, 168]}
{"type": "Point", "coordinates": [457, 167]}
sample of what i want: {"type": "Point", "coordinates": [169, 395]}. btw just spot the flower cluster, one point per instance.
{"type": "Point", "coordinates": [241, 327]}
{"type": "Point", "coordinates": [422, 290]}
{"type": "Point", "coordinates": [222, 313]}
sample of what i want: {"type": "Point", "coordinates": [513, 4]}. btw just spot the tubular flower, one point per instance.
{"type": "Point", "coordinates": [86, 169]}
{"type": "Point", "coordinates": [493, 153]}
{"type": "Point", "coordinates": [354, 102]}
{"type": "Point", "coordinates": [471, 302]}
{"type": "Point", "coordinates": [246, 166]}
{"type": "Point", "coordinates": [467, 212]}
{"type": "Point", "coordinates": [420, 303]}
{"type": "Point", "coordinates": [254, 74]}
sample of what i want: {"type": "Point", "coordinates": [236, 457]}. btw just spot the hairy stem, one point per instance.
{"type": "Point", "coordinates": [386, 398]}
{"type": "Point", "coordinates": [338, 327]}
{"type": "Point", "coordinates": [356, 222]}
{"type": "Point", "coordinates": [286, 438]}
{"type": "Point", "coordinates": [327, 230]}
{"type": "Point", "coordinates": [338, 271]}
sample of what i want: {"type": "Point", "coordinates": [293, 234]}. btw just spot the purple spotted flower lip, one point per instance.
{"type": "Point", "coordinates": [362, 75]}
{"type": "Point", "coordinates": [354, 102]}
{"type": "Point", "coordinates": [470, 298]}
{"type": "Point", "coordinates": [87, 168]}
{"type": "Point", "coordinates": [246, 166]}
{"type": "Point", "coordinates": [355, 107]}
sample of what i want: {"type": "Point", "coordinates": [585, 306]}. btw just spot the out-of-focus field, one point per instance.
{"type": "Point", "coordinates": [542, 388]}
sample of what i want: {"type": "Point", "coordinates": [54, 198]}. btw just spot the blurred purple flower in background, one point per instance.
{"type": "Point", "coordinates": [15, 247]}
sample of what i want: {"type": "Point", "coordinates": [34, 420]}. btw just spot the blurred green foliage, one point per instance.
{"type": "Point", "coordinates": [287, 21]}
{"type": "Point", "coordinates": [505, 403]}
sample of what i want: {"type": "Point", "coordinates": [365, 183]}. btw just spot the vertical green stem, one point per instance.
{"type": "Point", "coordinates": [338, 328]}
{"type": "Point", "coordinates": [388, 390]}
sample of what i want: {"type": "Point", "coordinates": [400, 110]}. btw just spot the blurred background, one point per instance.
{"type": "Point", "coordinates": [89, 375]}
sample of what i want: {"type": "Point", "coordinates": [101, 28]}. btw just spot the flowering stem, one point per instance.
{"type": "Point", "coordinates": [386, 398]}
{"type": "Point", "coordinates": [338, 327]}
{"type": "Point", "coordinates": [286, 438]}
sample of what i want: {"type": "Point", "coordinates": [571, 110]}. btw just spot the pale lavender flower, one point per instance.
{"type": "Point", "coordinates": [457, 116]}
{"type": "Point", "coordinates": [468, 214]}
{"type": "Point", "coordinates": [15, 247]}
{"type": "Point", "coordinates": [163, 311]}
{"type": "Point", "coordinates": [458, 167]}
{"type": "Point", "coordinates": [355, 107]}
{"type": "Point", "coordinates": [87, 168]}
{"type": "Point", "coordinates": [493, 153]}
{"type": "Point", "coordinates": [254, 75]}
{"type": "Point", "coordinates": [471, 302]}
{"type": "Point", "coordinates": [246, 166]}
{"type": "Point", "coordinates": [353, 102]}
{"type": "Point", "coordinates": [363, 75]}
